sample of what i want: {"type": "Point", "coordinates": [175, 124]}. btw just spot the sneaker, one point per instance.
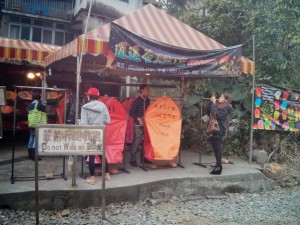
{"type": "Point", "coordinates": [134, 164]}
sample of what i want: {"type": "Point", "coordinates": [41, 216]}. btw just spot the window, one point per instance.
{"type": "Point", "coordinates": [14, 32]}
{"type": "Point", "coordinates": [37, 34]}
{"type": "Point", "coordinates": [38, 23]}
{"type": "Point", "coordinates": [48, 24]}
{"type": "Point", "coordinates": [68, 38]}
{"type": "Point", "coordinates": [37, 30]}
{"type": "Point", "coordinates": [15, 19]}
{"type": "Point", "coordinates": [25, 33]}
{"type": "Point", "coordinates": [25, 20]}
{"type": "Point", "coordinates": [60, 26]}
{"type": "Point", "coordinates": [47, 36]}
{"type": "Point", "coordinates": [59, 38]}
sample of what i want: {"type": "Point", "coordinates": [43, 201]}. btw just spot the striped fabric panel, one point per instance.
{"type": "Point", "coordinates": [92, 46]}
{"type": "Point", "coordinates": [23, 44]}
{"type": "Point", "coordinates": [247, 66]}
{"type": "Point", "coordinates": [35, 53]}
{"type": "Point", "coordinates": [68, 50]}
{"type": "Point", "coordinates": [101, 33]}
{"type": "Point", "coordinates": [158, 25]}
{"type": "Point", "coordinates": [151, 22]}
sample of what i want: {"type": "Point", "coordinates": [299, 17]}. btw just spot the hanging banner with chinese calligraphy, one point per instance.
{"type": "Point", "coordinates": [162, 130]}
{"type": "Point", "coordinates": [276, 108]}
{"type": "Point", "coordinates": [130, 52]}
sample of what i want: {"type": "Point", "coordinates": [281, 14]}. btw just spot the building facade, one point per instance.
{"type": "Point", "coordinates": [57, 22]}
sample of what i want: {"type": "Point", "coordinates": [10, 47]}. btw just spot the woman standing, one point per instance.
{"type": "Point", "coordinates": [221, 111]}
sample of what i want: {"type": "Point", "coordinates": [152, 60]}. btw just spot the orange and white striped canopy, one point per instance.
{"type": "Point", "coordinates": [15, 51]}
{"type": "Point", "coordinates": [74, 48]}
{"type": "Point", "coordinates": [153, 23]}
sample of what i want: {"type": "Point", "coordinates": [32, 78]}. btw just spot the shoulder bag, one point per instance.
{"type": "Point", "coordinates": [213, 126]}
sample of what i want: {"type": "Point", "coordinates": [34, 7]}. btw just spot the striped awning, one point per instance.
{"type": "Point", "coordinates": [153, 23]}
{"type": "Point", "coordinates": [93, 46]}
{"type": "Point", "coordinates": [18, 51]}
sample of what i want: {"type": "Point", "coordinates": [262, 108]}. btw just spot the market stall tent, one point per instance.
{"type": "Point", "coordinates": [20, 51]}
{"type": "Point", "coordinates": [149, 22]}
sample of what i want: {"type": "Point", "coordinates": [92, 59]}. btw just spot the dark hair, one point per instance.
{"type": "Point", "coordinates": [36, 96]}
{"type": "Point", "coordinates": [142, 87]}
{"type": "Point", "coordinates": [227, 96]}
{"type": "Point", "coordinates": [72, 89]}
{"type": "Point", "coordinates": [93, 97]}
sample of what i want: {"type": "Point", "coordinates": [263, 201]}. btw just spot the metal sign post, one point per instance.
{"type": "Point", "coordinates": [61, 140]}
{"type": "Point", "coordinates": [2, 103]}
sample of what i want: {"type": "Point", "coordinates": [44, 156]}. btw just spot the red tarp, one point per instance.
{"type": "Point", "coordinates": [162, 130]}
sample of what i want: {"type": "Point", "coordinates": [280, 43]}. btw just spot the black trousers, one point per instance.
{"type": "Point", "coordinates": [216, 144]}
{"type": "Point", "coordinates": [92, 164]}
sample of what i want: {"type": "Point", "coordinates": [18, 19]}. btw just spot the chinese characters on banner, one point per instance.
{"type": "Point", "coordinates": [130, 52]}
{"type": "Point", "coordinates": [162, 130]}
{"type": "Point", "coordinates": [276, 108]}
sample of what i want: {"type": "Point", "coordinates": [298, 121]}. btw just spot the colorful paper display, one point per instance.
{"type": "Point", "coordinates": [276, 108]}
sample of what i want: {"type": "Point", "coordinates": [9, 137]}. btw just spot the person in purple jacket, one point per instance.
{"type": "Point", "coordinates": [137, 111]}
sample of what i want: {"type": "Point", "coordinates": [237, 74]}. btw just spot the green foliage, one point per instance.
{"type": "Point", "coordinates": [276, 27]}
{"type": "Point", "coordinates": [275, 24]}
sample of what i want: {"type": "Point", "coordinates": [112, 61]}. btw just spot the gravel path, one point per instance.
{"type": "Point", "coordinates": [281, 206]}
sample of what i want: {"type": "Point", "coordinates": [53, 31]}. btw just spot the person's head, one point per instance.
{"type": "Point", "coordinates": [72, 90]}
{"type": "Point", "coordinates": [225, 98]}
{"type": "Point", "coordinates": [144, 90]}
{"type": "Point", "coordinates": [93, 94]}
{"type": "Point", "coordinates": [36, 96]}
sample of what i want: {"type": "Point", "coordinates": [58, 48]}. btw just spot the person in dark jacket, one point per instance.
{"type": "Point", "coordinates": [71, 107]}
{"type": "Point", "coordinates": [95, 113]}
{"type": "Point", "coordinates": [137, 111]}
{"type": "Point", "coordinates": [36, 115]}
{"type": "Point", "coordinates": [221, 110]}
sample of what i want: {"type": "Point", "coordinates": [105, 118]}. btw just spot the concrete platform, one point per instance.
{"type": "Point", "coordinates": [137, 185]}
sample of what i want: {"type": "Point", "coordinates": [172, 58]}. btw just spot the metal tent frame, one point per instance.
{"type": "Point", "coordinates": [13, 178]}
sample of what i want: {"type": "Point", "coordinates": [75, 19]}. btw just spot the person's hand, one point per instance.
{"type": "Point", "coordinates": [213, 99]}
{"type": "Point", "coordinates": [140, 121]}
